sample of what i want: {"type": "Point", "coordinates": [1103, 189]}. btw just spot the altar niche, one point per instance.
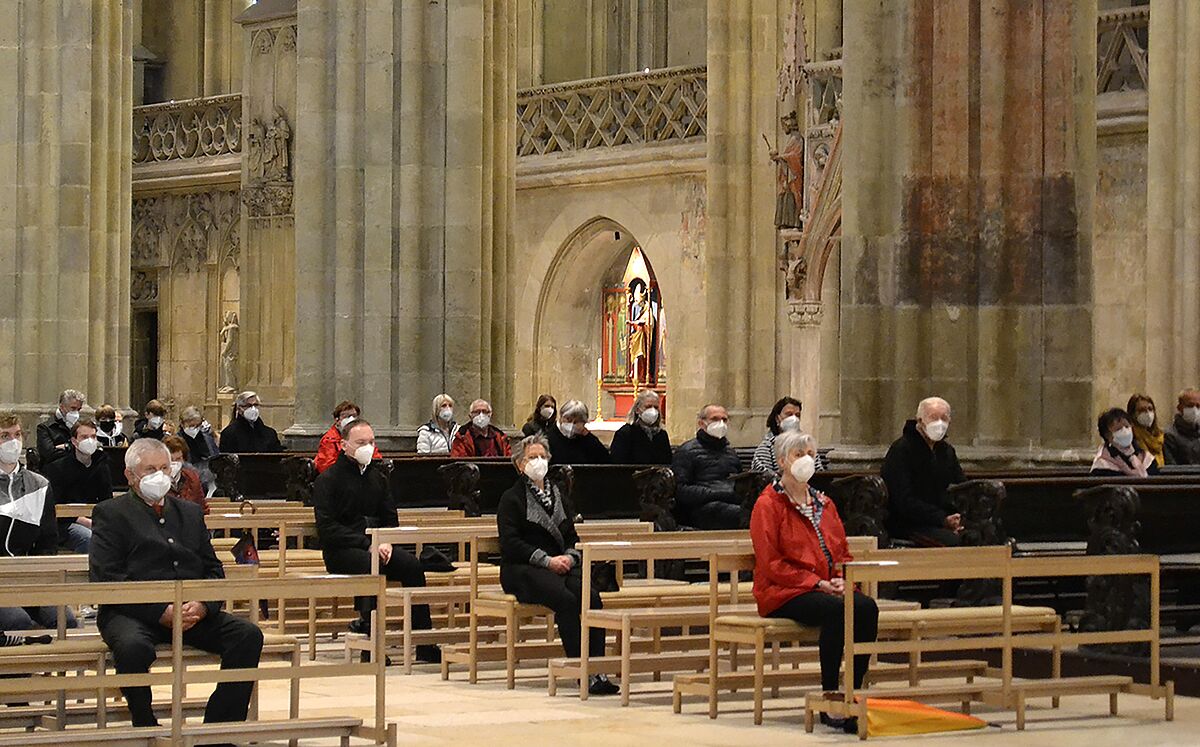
{"type": "Point", "coordinates": [632, 333]}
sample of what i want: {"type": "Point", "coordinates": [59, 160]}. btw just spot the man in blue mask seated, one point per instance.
{"type": "Point", "coordinates": [145, 536]}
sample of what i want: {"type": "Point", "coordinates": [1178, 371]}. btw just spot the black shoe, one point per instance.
{"type": "Point", "coordinates": [600, 684]}
{"type": "Point", "coordinates": [850, 725]}
{"type": "Point", "coordinates": [429, 654]}
{"type": "Point", "coordinates": [362, 626]}
{"type": "Point", "coordinates": [365, 658]}
{"type": "Point", "coordinates": [835, 723]}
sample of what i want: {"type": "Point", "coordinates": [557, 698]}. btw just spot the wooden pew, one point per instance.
{"type": "Point", "coordinates": [100, 682]}
{"type": "Point", "coordinates": [1000, 690]}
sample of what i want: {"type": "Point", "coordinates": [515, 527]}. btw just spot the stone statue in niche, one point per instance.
{"type": "Point", "coordinates": [229, 352]}
{"type": "Point", "coordinates": [255, 137]}
{"type": "Point", "coordinates": [276, 164]}
{"type": "Point", "coordinates": [797, 276]}
{"type": "Point", "coordinates": [789, 165]}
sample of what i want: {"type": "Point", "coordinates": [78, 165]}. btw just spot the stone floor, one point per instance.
{"type": "Point", "coordinates": [429, 711]}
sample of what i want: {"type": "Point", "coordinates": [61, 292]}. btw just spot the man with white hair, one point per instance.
{"type": "Point", "coordinates": [480, 438]}
{"type": "Point", "coordinates": [704, 496]}
{"type": "Point", "coordinates": [54, 435]}
{"type": "Point", "coordinates": [144, 535]}
{"type": "Point", "coordinates": [248, 434]}
{"type": "Point", "coordinates": [918, 469]}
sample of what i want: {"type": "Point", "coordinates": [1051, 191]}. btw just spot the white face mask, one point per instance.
{"type": "Point", "coordinates": [71, 418]}
{"type": "Point", "coordinates": [153, 487]}
{"type": "Point", "coordinates": [1123, 438]}
{"type": "Point", "coordinates": [790, 423]}
{"type": "Point", "coordinates": [536, 468]}
{"type": "Point", "coordinates": [155, 422]}
{"type": "Point", "coordinates": [567, 429]}
{"type": "Point", "coordinates": [482, 421]}
{"type": "Point", "coordinates": [717, 428]}
{"type": "Point", "coordinates": [936, 430]}
{"type": "Point", "coordinates": [88, 446]}
{"type": "Point", "coordinates": [10, 451]}
{"type": "Point", "coordinates": [1192, 415]}
{"type": "Point", "coordinates": [192, 431]}
{"type": "Point", "coordinates": [1146, 418]}
{"type": "Point", "coordinates": [546, 412]}
{"type": "Point", "coordinates": [346, 421]}
{"type": "Point", "coordinates": [363, 454]}
{"type": "Point", "coordinates": [176, 468]}
{"type": "Point", "coordinates": [649, 416]}
{"type": "Point", "coordinates": [250, 413]}
{"type": "Point", "coordinates": [446, 414]}
{"type": "Point", "coordinates": [803, 468]}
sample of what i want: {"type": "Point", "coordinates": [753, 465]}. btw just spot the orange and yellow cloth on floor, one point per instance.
{"type": "Point", "coordinates": [892, 718]}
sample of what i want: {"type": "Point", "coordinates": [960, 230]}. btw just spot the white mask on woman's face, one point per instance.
{"type": "Point", "coordinates": [546, 412]}
{"type": "Point", "coordinates": [192, 431]}
{"type": "Point", "coordinates": [446, 414]}
{"type": "Point", "coordinates": [649, 416]}
{"type": "Point", "coordinates": [1145, 418]}
{"type": "Point", "coordinates": [250, 413]}
{"type": "Point", "coordinates": [567, 429]}
{"type": "Point", "coordinates": [155, 422]}
{"type": "Point", "coordinates": [536, 468]}
{"type": "Point", "coordinates": [176, 468]}
{"type": "Point", "coordinates": [1123, 438]}
{"type": "Point", "coordinates": [803, 468]}
{"type": "Point", "coordinates": [345, 421]}
{"type": "Point", "coordinates": [790, 423]}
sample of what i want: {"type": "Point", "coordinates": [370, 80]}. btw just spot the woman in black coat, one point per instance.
{"type": "Point", "coordinates": [570, 439]}
{"type": "Point", "coordinates": [538, 560]}
{"type": "Point", "coordinates": [642, 440]}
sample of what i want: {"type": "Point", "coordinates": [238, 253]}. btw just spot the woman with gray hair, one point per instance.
{"type": "Point", "coordinates": [538, 560]}
{"type": "Point", "coordinates": [570, 440]}
{"type": "Point", "coordinates": [799, 548]}
{"type": "Point", "coordinates": [197, 433]}
{"type": "Point", "coordinates": [642, 440]}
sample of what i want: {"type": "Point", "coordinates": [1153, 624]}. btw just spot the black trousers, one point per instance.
{"type": "Point", "coordinates": [935, 537]}
{"type": "Point", "coordinates": [719, 515]}
{"type": "Point", "coordinates": [402, 566]}
{"type": "Point", "coordinates": [535, 585]}
{"type": "Point", "coordinates": [238, 642]}
{"type": "Point", "coordinates": [825, 610]}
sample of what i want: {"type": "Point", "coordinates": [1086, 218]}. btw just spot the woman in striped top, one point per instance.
{"type": "Point", "coordinates": [784, 416]}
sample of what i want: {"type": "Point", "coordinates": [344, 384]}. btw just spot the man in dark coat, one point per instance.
{"type": "Point", "coordinates": [704, 496]}
{"type": "Point", "coordinates": [145, 536]}
{"type": "Point", "coordinates": [247, 434]}
{"type": "Point", "coordinates": [82, 477]}
{"type": "Point", "coordinates": [54, 435]}
{"type": "Point", "coordinates": [1181, 442]}
{"type": "Point", "coordinates": [918, 469]}
{"type": "Point", "coordinates": [350, 496]}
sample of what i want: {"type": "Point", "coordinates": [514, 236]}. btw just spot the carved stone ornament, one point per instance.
{"type": "Point", "coordinates": [266, 200]}
{"type": "Point", "coordinates": [805, 313]}
{"type": "Point", "coordinates": [862, 502]}
{"type": "Point", "coordinates": [187, 225]}
{"type": "Point", "coordinates": [979, 503]}
{"type": "Point", "coordinates": [462, 486]}
{"type": "Point", "coordinates": [1114, 602]}
{"type": "Point", "coordinates": [143, 289]}
{"type": "Point", "coordinates": [263, 41]}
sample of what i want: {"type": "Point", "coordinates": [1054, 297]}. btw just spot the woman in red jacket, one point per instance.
{"type": "Point", "coordinates": [330, 447]}
{"type": "Point", "coordinates": [799, 546]}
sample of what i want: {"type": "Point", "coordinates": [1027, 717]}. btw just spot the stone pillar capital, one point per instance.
{"type": "Point", "coordinates": [805, 313]}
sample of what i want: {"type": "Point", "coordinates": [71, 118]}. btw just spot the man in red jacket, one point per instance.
{"type": "Point", "coordinates": [799, 547]}
{"type": "Point", "coordinates": [480, 438]}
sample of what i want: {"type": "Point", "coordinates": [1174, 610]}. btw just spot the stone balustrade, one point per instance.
{"type": "Point", "coordinates": [189, 129]}
{"type": "Point", "coordinates": [662, 106]}
{"type": "Point", "coordinates": [1122, 50]}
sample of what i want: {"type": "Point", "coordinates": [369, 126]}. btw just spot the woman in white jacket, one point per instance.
{"type": "Point", "coordinates": [435, 436]}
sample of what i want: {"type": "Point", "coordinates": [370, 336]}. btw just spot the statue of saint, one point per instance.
{"type": "Point", "coordinates": [789, 165]}
{"type": "Point", "coordinates": [255, 148]}
{"type": "Point", "coordinates": [641, 331]}
{"type": "Point", "coordinates": [229, 352]}
{"type": "Point", "coordinates": [275, 161]}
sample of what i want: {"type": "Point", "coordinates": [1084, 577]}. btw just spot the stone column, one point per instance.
{"type": "Point", "coordinates": [966, 262]}
{"type": "Point", "coordinates": [65, 164]}
{"type": "Point", "coordinates": [1172, 303]}
{"type": "Point", "coordinates": [404, 173]}
{"type": "Point", "coordinates": [738, 317]}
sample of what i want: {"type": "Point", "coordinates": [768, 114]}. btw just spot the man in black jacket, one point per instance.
{"type": "Point", "coordinates": [54, 435]}
{"type": "Point", "coordinates": [704, 496]}
{"type": "Point", "coordinates": [350, 496]}
{"type": "Point", "coordinates": [918, 469]}
{"type": "Point", "coordinates": [247, 434]}
{"type": "Point", "coordinates": [82, 477]}
{"type": "Point", "coordinates": [26, 522]}
{"type": "Point", "coordinates": [145, 536]}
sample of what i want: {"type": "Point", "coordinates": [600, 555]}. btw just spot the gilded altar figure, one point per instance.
{"type": "Point", "coordinates": [641, 331]}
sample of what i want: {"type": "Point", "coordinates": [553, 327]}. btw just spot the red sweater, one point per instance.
{"type": "Point", "coordinates": [471, 443]}
{"type": "Point", "coordinates": [788, 560]}
{"type": "Point", "coordinates": [329, 448]}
